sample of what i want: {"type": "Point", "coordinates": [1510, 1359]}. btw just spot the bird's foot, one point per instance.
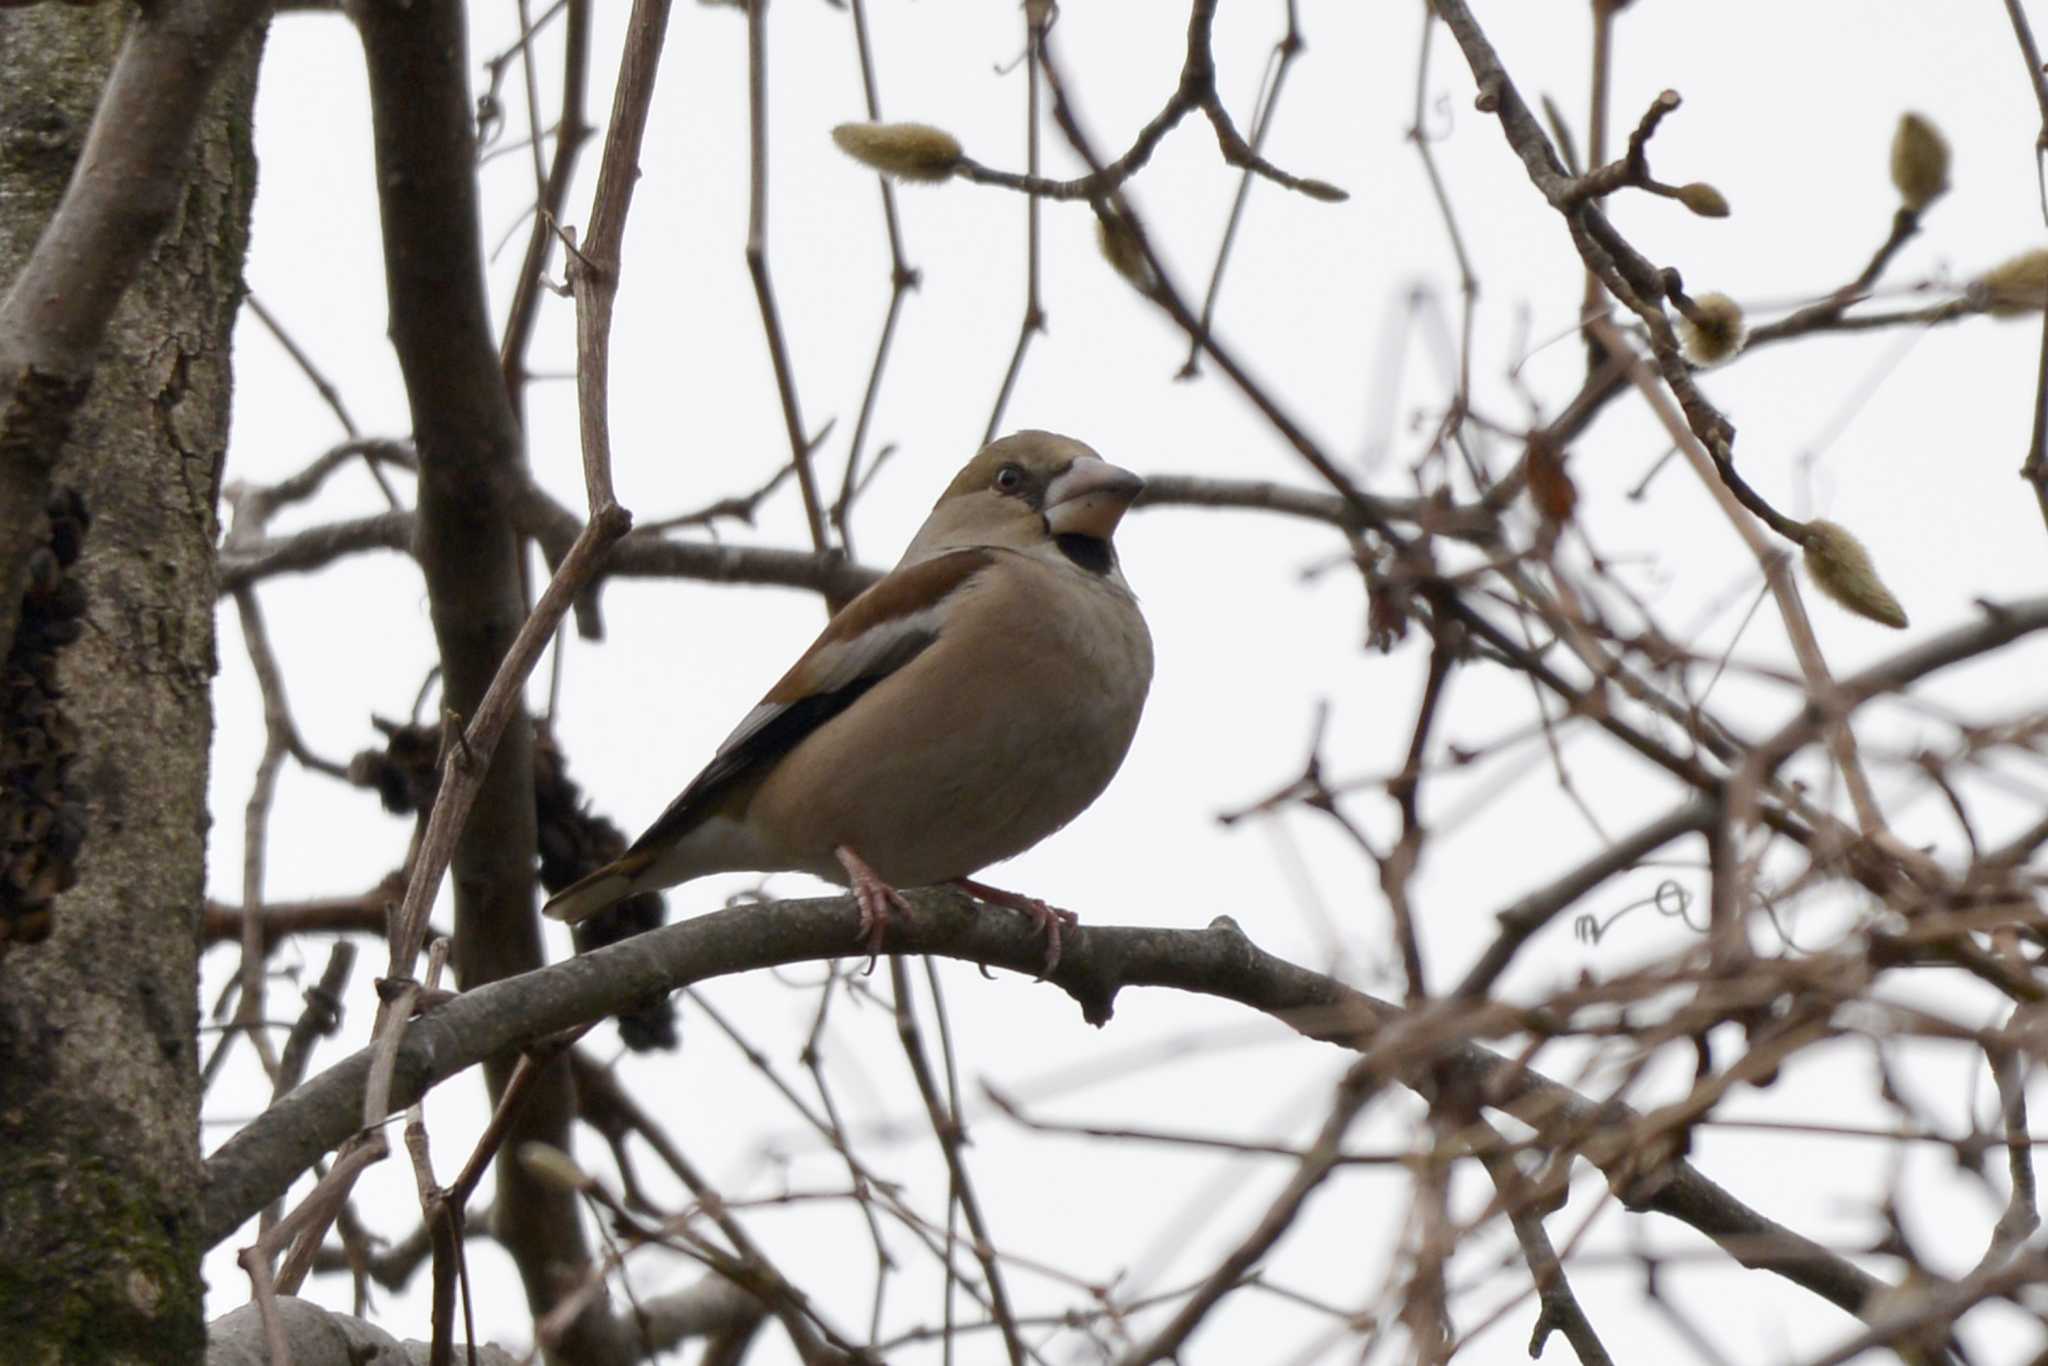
{"type": "Point", "coordinates": [1050, 920]}
{"type": "Point", "coordinates": [874, 897]}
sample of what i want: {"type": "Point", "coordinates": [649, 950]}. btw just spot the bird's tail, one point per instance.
{"type": "Point", "coordinates": [588, 895]}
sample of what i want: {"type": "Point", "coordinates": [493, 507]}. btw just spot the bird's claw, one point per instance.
{"type": "Point", "coordinates": [1048, 919]}
{"type": "Point", "coordinates": [875, 902]}
{"type": "Point", "coordinates": [875, 898]}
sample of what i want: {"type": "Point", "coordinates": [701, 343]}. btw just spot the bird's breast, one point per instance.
{"type": "Point", "coordinates": [1004, 730]}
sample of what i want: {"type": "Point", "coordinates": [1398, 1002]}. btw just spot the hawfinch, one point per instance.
{"type": "Point", "coordinates": [972, 701]}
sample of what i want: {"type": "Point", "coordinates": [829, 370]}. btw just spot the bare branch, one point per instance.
{"type": "Point", "coordinates": [126, 189]}
{"type": "Point", "coordinates": [1097, 963]}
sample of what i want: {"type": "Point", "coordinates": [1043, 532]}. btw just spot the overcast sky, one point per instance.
{"type": "Point", "coordinates": [1348, 311]}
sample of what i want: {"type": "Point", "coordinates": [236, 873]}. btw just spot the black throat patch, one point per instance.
{"type": "Point", "coordinates": [1091, 553]}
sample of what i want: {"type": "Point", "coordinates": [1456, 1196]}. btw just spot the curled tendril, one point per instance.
{"type": "Point", "coordinates": [1669, 900]}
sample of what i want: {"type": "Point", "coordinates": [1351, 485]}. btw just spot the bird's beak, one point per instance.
{"type": "Point", "coordinates": [1089, 498]}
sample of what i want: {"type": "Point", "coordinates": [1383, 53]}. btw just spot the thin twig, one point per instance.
{"type": "Point", "coordinates": [1530, 913]}
{"type": "Point", "coordinates": [1037, 18]}
{"type": "Point", "coordinates": [757, 269]}
{"type": "Point", "coordinates": [2037, 78]}
{"type": "Point", "coordinates": [2022, 1213]}
{"type": "Point", "coordinates": [902, 279]}
{"type": "Point", "coordinates": [1468, 282]}
{"type": "Point", "coordinates": [1776, 570]}
{"type": "Point", "coordinates": [323, 386]}
{"type": "Point", "coordinates": [1359, 1086]}
{"type": "Point", "coordinates": [1275, 78]}
{"type": "Point", "coordinates": [951, 1133]}
{"type": "Point", "coordinates": [572, 130]}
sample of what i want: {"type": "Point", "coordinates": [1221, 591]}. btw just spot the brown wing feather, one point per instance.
{"type": "Point", "coordinates": [877, 633]}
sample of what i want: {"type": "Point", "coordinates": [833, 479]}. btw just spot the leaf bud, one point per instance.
{"type": "Point", "coordinates": [1919, 162]}
{"type": "Point", "coordinates": [915, 152]}
{"type": "Point", "coordinates": [1841, 568]}
{"type": "Point", "coordinates": [1713, 330]}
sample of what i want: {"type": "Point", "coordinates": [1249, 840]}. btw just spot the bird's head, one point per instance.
{"type": "Point", "coordinates": [1032, 491]}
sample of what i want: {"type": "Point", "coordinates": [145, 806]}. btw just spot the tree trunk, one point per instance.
{"type": "Point", "coordinates": [99, 1093]}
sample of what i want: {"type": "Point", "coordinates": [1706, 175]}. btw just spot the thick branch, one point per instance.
{"type": "Point", "coordinates": [1096, 963]}
{"type": "Point", "coordinates": [468, 547]}
{"type": "Point", "coordinates": [124, 192]}
{"type": "Point", "coordinates": [649, 554]}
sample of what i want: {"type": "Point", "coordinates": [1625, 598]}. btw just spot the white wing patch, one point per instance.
{"type": "Point", "coordinates": [876, 652]}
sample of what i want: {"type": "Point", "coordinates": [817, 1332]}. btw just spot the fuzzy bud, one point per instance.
{"type": "Point", "coordinates": [551, 1166]}
{"type": "Point", "coordinates": [1919, 162]}
{"type": "Point", "coordinates": [1323, 190]}
{"type": "Point", "coordinates": [1841, 568]}
{"type": "Point", "coordinates": [1714, 331]}
{"type": "Point", "coordinates": [1119, 246]}
{"type": "Point", "coordinates": [914, 152]}
{"type": "Point", "coordinates": [2014, 287]}
{"type": "Point", "coordinates": [1703, 199]}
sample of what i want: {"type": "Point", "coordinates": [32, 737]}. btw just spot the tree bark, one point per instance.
{"type": "Point", "coordinates": [99, 1094]}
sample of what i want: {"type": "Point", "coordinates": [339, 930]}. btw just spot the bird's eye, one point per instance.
{"type": "Point", "coordinates": [1009, 479]}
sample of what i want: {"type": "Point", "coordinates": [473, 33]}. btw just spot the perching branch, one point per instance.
{"type": "Point", "coordinates": [1096, 965]}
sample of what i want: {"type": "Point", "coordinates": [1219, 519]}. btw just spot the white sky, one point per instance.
{"type": "Point", "coordinates": [1913, 442]}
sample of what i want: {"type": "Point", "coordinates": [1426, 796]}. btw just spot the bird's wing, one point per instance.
{"type": "Point", "coordinates": [892, 623]}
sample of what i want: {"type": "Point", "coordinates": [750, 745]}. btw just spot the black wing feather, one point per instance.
{"type": "Point", "coordinates": [775, 733]}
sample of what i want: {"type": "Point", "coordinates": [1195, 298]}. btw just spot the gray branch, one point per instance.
{"type": "Point", "coordinates": [261, 1160]}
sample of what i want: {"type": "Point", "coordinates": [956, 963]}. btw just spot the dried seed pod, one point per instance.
{"type": "Point", "coordinates": [650, 1026]}
{"type": "Point", "coordinates": [1714, 331]}
{"type": "Point", "coordinates": [1550, 487]}
{"type": "Point", "coordinates": [1842, 568]}
{"type": "Point", "coordinates": [574, 841]}
{"type": "Point", "coordinates": [403, 772]}
{"type": "Point", "coordinates": [914, 152]}
{"type": "Point", "coordinates": [1389, 603]}
{"type": "Point", "coordinates": [1920, 162]}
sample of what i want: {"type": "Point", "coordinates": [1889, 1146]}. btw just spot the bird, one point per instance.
{"type": "Point", "coordinates": [969, 703]}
